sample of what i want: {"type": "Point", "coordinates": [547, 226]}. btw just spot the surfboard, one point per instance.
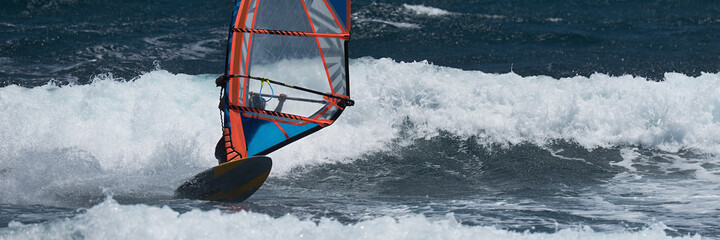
{"type": "Point", "coordinates": [233, 181]}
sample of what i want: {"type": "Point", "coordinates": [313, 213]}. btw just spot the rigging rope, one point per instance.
{"type": "Point", "coordinates": [271, 89]}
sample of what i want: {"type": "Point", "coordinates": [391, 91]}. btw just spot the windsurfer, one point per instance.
{"type": "Point", "coordinates": [256, 101]}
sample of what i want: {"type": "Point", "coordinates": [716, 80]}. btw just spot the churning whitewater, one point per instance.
{"type": "Point", "coordinates": [113, 136]}
{"type": "Point", "coordinates": [491, 120]}
{"type": "Point", "coordinates": [145, 222]}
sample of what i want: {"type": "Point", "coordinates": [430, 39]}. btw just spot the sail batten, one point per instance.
{"type": "Point", "coordinates": [342, 36]}
{"type": "Point", "coordinates": [287, 71]}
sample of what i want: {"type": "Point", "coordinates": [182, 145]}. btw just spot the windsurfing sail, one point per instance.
{"type": "Point", "coordinates": [286, 74]}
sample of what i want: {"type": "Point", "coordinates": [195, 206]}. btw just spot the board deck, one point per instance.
{"type": "Point", "coordinates": [232, 181]}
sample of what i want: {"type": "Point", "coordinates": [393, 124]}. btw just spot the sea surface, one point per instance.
{"type": "Point", "coordinates": [473, 120]}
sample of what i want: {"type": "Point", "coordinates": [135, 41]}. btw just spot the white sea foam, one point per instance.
{"type": "Point", "coordinates": [72, 140]}
{"type": "Point", "coordinates": [162, 127]}
{"type": "Point", "coordinates": [425, 10]}
{"type": "Point", "coordinates": [392, 23]}
{"type": "Point", "coordinates": [628, 155]}
{"type": "Point", "coordinates": [109, 220]}
{"type": "Point", "coordinates": [596, 111]}
{"type": "Point", "coordinates": [691, 192]}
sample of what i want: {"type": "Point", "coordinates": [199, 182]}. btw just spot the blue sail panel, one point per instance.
{"type": "Point", "coordinates": [263, 135]}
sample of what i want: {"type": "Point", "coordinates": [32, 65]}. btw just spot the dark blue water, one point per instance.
{"type": "Point", "coordinates": [559, 39]}
{"type": "Point", "coordinates": [69, 41]}
{"type": "Point", "coordinates": [495, 118]}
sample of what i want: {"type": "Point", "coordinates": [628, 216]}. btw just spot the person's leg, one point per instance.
{"type": "Point", "coordinates": [220, 153]}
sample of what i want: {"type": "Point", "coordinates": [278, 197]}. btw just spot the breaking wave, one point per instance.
{"type": "Point", "coordinates": [156, 130]}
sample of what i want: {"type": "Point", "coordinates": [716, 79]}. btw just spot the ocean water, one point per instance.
{"type": "Point", "coordinates": [473, 120]}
